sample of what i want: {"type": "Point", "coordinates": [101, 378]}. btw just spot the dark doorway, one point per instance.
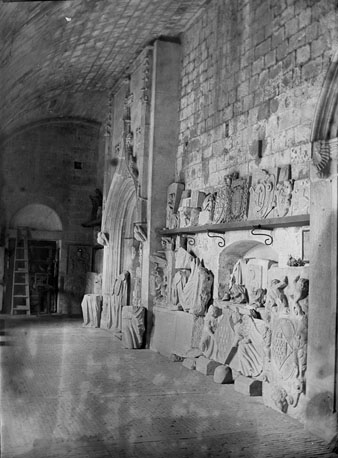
{"type": "Point", "coordinates": [43, 276]}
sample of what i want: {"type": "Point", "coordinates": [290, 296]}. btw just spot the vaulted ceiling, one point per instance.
{"type": "Point", "coordinates": [61, 58]}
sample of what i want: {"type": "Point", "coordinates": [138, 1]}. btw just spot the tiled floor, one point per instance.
{"type": "Point", "coordinates": [69, 391]}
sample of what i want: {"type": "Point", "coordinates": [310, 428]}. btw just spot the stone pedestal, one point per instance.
{"type": "Point", "coordinates": [91, 310]}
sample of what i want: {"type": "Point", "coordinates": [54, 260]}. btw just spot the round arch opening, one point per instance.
{"type": "Point", "coordinates": [37, 216]}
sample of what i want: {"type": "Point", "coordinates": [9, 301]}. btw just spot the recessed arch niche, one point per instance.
{"type": "Point", "coordinates": [38, 217]}
{"type": "Point", "coordinates": [118, 222]}
{"type": "Point", "coordinates": [255, 257]}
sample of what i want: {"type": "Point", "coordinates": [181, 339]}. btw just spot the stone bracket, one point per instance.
{"type": "Point", "coordinates": [269, 240]}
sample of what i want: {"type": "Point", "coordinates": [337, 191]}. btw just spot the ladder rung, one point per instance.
{"type": "Point", "coordinates": [20, 295]}
{"type": "Point", "coordinates": [21, 284]}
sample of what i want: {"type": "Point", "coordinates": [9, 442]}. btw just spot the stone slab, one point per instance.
{"type": "Point", "coordinates": [223, 375]}
{"type": "Point", "coordinates": [172, 331]}
{"type": "Point", "coordinates": [206, 366]}
{"type": "Point", "coordinates": [190, 363]}
{"type": "Point", "coordinates": [248, 386]}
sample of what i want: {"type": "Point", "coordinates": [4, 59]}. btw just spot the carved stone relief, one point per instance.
{"type": "Point", "coordinates": [300, 203]}
{"type": "Point", "coordinates": [286, 318]}
{"type": "Point", "coordinates": [239, 199]}
{"type": "Point", "coordinates": [222, 210]}
{"type": "Point", "coordinates": [208, 207]}
{"type": "Point", "coordinates": [283, 198]}
{"type": "Point", "coordinates": [160, 275]}
{"type": "Point", "coordinates": [262, 195]}
{"type": "Point", "coordinates": [174, 194]}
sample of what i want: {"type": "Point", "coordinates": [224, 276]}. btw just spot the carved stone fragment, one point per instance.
{"type": "Point", "coordinates": [132, 326]}
{"type": "Point", "coordinates": [283, 196]}
{"type": "Point", "coordinates": [207, 213]}
{"type": "Point", "coordinates": [262, 195]}
{"type": "Point", "coordinates": [239, 199]}
{"type": "Point", "coordinates": [286, 338]}
{"type": "Point", "coordinates": [174, 194]}
{"type": "Point", "coordinates": [300, 203]}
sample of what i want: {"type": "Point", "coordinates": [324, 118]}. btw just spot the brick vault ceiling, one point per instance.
{"type": "Point", "coordinates": [60, 58]}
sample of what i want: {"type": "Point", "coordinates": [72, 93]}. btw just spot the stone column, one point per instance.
{"type": "Point", "coordinates": [321, 389]}
{"type": "Point", "coordinates": [163, 139]}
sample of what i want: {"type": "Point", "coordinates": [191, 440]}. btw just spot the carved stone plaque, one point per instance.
{"type": "Point", "coordinates": [239, 199]}
{"type": "Point", "coordinates": [262, 195]}
{"type": "Point", "coordinates": [222, 210]}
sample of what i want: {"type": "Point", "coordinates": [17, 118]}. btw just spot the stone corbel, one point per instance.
{"type": "Point", "coordinates": [321, 157]}
{"type": "Point", "coordinates": [102, 238]}
{"type": "Point", "coordinates": [140, 232]}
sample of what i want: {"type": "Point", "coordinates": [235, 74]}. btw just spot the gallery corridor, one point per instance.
{"type": "Point", "coordinates": [69, 391]}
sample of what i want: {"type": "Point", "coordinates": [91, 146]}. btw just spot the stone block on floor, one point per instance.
{"type": "Point", "coordinates": [190, 363]}
{"type": "Point", "coordinates": [223, 375]}
{"type": "Point", "coordinates": [206, 366]}
{"type": "Point", "coordinates": [248, 386]}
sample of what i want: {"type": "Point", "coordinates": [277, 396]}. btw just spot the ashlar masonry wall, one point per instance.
{"type": "Point", "coordinates": [251, 77]}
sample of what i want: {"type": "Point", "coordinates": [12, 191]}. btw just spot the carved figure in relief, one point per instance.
{"type": "Point", "coordinates": [207, 213]}
{"type": "Point", "coordinates": [160, 278]}
{"type": "Point", "coordinates": [174, 194]}
{"type": "Point", "coordinates": [276, 297]}
{"type": "Point", "coordinates": [96, 213]}
{"type": "Point", "coordinates": [197, 292]}
{"type": "Point", "coordinates": [283, 197]}
{"type": "Point", "coordinates": [249, 343]}
{"type": "Point", "coordinates": [237, 290]}
{"type": "Point", "coordinates": [208, 343]}
{"type": "Point", "coordinates": [222, 212]}
{"type": "Point", "coordinates": [179, 281]}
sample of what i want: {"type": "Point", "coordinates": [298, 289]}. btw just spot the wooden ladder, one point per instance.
{"type": "Point", "coordinates": [20, 290]}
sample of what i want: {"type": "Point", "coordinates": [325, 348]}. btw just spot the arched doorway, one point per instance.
{"type": "Point", "coordinates": [42, 238]}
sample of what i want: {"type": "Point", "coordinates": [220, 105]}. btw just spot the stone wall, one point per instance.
{"type": "Point", "coordinates": [251, 78]}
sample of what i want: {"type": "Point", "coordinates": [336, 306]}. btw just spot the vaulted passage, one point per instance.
{"type": "Point", "coordinates": [168, 175]}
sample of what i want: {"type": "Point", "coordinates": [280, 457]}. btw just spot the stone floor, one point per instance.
{"type": "Point", "coordinates": [69, 391]}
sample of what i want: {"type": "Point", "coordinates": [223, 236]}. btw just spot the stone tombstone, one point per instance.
{"type": "Point", "coordinates": [239, 199]}
{"type": "Point", "coordinates": [174, 195]}
{"type": "Point", "coordinates": [286, 339]}
{"type": "Point", "coordinates": [300, 203]}
{"type": "Point", "coordinates": [262, 195]}
{"type": "Point", "coordinates": [208, 207]}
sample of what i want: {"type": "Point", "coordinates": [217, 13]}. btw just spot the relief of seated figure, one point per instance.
{"type": "Point", "coordinates": [249, 343]}
{"type": "Point", "coordinates": [208, 343]}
